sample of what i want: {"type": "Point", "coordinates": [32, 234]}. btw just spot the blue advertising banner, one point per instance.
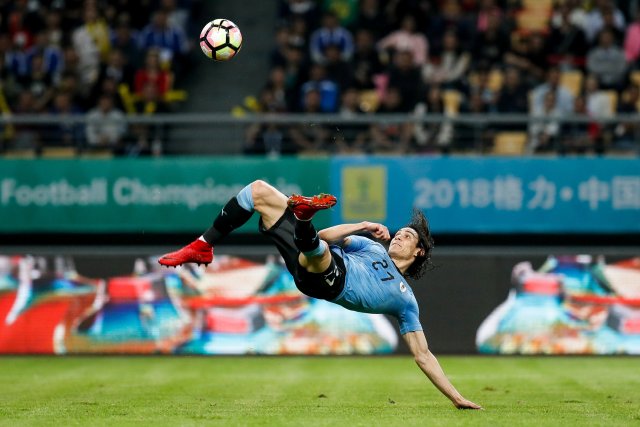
{"type": "Point", "coordinates": [492, 195]}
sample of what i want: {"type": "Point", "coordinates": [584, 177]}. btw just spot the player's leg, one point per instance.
{"type": "Point", "coordinates": [257, 196]}
{"type": "Point", "coordinates": [314, 253]}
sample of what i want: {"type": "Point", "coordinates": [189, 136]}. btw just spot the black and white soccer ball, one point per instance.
{"type": "Point", "coordinates": [220, 39]}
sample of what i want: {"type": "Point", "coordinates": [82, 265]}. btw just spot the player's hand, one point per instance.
{"type": "Point", "coordinates": [378, 231]}
{"type": "Point", "coordinates": [466, 404]}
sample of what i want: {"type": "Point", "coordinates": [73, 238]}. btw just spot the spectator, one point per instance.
{"type": "Point", "coordinates": [39, 82]}
{"type": "Point", "coordinates": [152, 73]}
{"type": "Point", "coordinates": [170, 40]}
{"type": "Point", "coordinates": [338, 70]}
{"type": "Point", "coordinates": [594, 22]}
{"type": "Point", "coordinates": [488, 10]}
{"type": "Point", "coordinates": [562, 96]}
{"type": "Point", "coordinates": [434, 136]}
{"type": "Point", "coordinates": [608, 24]}
{"type": "Point", "coordinates": [278, 97]}
{"type": "Point", "coordinates": [346, 10]}
{"type": "Point", "coordinates": [51, 55]}
{"type": "Point", "coordinates": [627, 133]}
{"type": "Point", "coordinates": [177, 17]}
{"type": "Point", "coordinates": [264, 137]}
{"type": "Point", "coordinates": [529, 56]}
{"type": "Point", "coordinates": [310, 138]}
{"type": "Point", "coordinates": [53, 29]}
{"type": "Point", "coordinates": [305, 9]}
{"type": "Point", "coordinates": [27, 136]}
{"type": "Point", "coordinates": [406, 77]}
{"type": "Point", "coordinates": [371, 18]}
{"type": "Point", "coordinates": [327, 89]}
{"type": "Point", "coordinates": [350, 138]}
{"type": "Point", "coordinates": [90, 43]}
{"type": "Point", "coordinates": [106, 126]}
{"type": "Point", "coordinates": [116, 69]}
{"type": "Point", "coordinates": [480, 85]}
{"type": "Point", "coordinates": [452, 67]}
{"type": "Point", "coordinates": [545, 130]}
{"type": "Point", "coordinates": [149, 138]}
{"type": "Point", "coordinates": [366, 63]}
{"type": "Point", "coordinates": [450, 19]}
{"type": "Point", "coordinates": [65, 133]}
{"type": "Point", "coordinates": [513, 96]}
{"type": "Point", "coordinates": [473, 135]}
{"type": "Point", "coordinates": [331, 33]}
{"type": "Point", "coordinates": [572, 11]}
{"type": "Point", "coordinates": [278, 55]}
{"type": "Point", "coordinates": [393, 137]}
{"type": "Point", "coordinates": [579, 137]}
{"type": "Point", "coordinates": [124, 40]}
{"type": "Point", "coordinates": [598, 104]}
{"type": "Point", "coordinates": [491, 45]}
{"type": "Point", "coordinates": [407, 39]}
{"type": "Point", "coordinates": [299, 34]}
{"type": "Point", "coordinates": [608, 63]}
{"type": "Point", "coordinates": [566, 40]}
{"type": "Point", "coordinates": [632, 43]}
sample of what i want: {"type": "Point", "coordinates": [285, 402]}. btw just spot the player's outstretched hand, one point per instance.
{"type": "Point", "coordinates": [466, 404]}
{"type": "Point", "coordinates": [378, 231]}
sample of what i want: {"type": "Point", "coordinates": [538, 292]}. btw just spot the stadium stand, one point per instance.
{"type": "Point", "coordinates": [63, 57]}
{"type": "Point", "coordinates": [477, 42]}
{"type": "Point", "coordinates": [483, 56]}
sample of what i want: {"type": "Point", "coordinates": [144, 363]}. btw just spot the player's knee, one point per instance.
{"type": "Point", "coordinates": [261, 190]}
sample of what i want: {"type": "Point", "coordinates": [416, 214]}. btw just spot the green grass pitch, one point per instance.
{"type": "Point", "coordinates": [298, 391]}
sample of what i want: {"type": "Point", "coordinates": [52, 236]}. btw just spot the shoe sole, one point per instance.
{"type": "Point", "coordinates": [169, 262]}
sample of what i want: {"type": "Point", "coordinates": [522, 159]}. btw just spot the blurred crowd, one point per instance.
{"type": "Point", "coordinates": [548, 59]}
{"type": "Point", "coordinates": [102, 58]}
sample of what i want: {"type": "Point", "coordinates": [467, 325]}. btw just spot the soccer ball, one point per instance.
{"type": "Point", "coordinates": [220, 39]}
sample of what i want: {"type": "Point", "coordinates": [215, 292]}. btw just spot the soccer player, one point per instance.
{"type": "Point", "coordinates": [335, 264]}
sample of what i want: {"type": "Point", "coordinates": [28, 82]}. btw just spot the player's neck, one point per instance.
{"type": "Point", "coordinates": [402, 264]}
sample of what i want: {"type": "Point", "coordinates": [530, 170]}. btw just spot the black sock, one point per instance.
{"type": "Point", "coordinates": [305, 236]}
{"type": "Point", "coordinates": [231, 217]}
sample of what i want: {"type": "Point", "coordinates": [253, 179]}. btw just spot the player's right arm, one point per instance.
{"type": "Point", "coordinates": [338, 233]}
{"type": "Point", "coordinates": [428, 363]}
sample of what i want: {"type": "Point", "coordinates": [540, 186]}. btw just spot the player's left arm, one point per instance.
{"type": "Point", "coordinates": [428, 363]}
{"type": "Point", "coordinates": [337, 233]}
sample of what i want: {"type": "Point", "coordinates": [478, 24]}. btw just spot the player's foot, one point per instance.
{"type": "Point", "coordinates": [198, 252]}
{"type": "Point", "coordinates": [305, 207]}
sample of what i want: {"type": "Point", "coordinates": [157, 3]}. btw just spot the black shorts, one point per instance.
{"type": "Point", "coordinates": [327, 285]}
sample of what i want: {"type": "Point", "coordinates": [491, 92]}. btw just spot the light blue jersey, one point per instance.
{"type": "Point", "coordinates": [374, 284]}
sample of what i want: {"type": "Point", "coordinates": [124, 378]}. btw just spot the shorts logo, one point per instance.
{"type": "Point", "coordinates": [335, 273]}
{"type": "Point", "coordinates": [403, 287]}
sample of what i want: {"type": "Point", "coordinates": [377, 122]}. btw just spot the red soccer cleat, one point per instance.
{"type": "Point", "coordinates": [197, 251]}
{"type": "Point", "coordinates": [305, 207]}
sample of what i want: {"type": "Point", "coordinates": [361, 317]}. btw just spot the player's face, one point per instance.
{"type": "Point", "coordinates": [405, 244]}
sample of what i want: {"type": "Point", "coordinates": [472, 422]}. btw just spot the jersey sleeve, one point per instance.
{"type": "Point", "coordinates": [409, 318]}
{"type": "Point", "coordinates": [357, 243]}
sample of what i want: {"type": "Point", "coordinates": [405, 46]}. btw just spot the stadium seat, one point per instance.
{"type": "Point", "coordinates": [59, 152]}
{"type": "Point", "coordinates": [369, 100]}
{"type": "Point", "coordinates": [510, 143]}
{"type": "Point", "coordinates": [572, 81]}
{"type": "Point", "coordinates": [20, 153]}
{"type": "Point", "coordinates": [613, 100]}
{"type": "Point", "coordinates": [538, 5]}
{"type": "Point", "coordinates": [530, 21]}
{"type": "Point", "coordinates": [451, 100]}
{"type": "Point", "coordinates": [496, 77]}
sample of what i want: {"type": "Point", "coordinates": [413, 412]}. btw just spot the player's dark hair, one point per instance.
{"type": "Point", "coordinates": [422, 263]}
